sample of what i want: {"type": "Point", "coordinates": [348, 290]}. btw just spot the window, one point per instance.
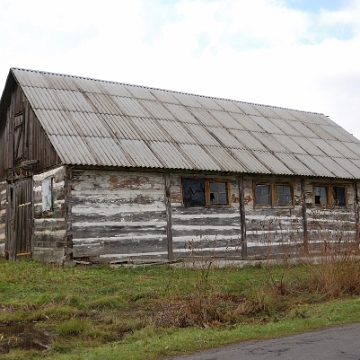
{"type": "Point", "coordinates": [47, 195]}
{"type": "Point", "coordinates": [273, 195]}
{"type": "Point", "coordinates": [320, 195]}
{"type": "Point", "coordinates": [193, 192]}
{"type": "Point", "coordinates": [330, 195]}
{"type": "Point", "coordinates": [283, 195]}
{"type": "Point", "coordinates": [263, 195]}
{"type": "Point", "coordinates": [339, 195]}
{"type": "Point", "coordinates": [200, 192]}
{"type": "Point", "coordinates": [218, 193]}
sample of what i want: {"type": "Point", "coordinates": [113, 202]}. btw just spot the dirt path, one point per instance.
{"type": "Point", "coordinates": [337, 343]}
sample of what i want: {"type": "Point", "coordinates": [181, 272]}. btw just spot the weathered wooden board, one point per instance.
{"type": "Point", "coordinates": [25, 142]}
{"type": "Point", "coordinates": [3, 216]}
{"type": "Point", "coordinates": [50, 226]}
{"type": "Point", "coordinates": [205, 230]}
{"type": "Point", "coordinates": [117, 214]}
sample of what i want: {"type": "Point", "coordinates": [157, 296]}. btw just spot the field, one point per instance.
{"type": "Point", "coordinates": [92, 312]}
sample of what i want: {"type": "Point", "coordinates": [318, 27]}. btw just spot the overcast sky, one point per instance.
{"type": "Point", "coordinates": [300, 54]}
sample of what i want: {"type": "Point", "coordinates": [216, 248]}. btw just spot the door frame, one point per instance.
{"type": "Point", "coordinates": [20, 219]}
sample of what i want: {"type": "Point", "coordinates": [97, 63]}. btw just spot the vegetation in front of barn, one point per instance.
{"type": "Point", "coordinates": [149, 312]}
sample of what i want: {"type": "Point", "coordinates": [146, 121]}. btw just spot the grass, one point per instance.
{"type": "Point", "coordinates": [152, 312]}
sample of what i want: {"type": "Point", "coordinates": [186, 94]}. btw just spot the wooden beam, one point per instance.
{"type": "Point", "coordinates": [24, 254]}
{"type": "Point", "coordinates": [168, 216]}
{"type": "Point", "coordinates": [356, 209]}
{"type": "Point", "coordinates": [304, 217]}
{"type": "Point", "coordinates": [242, 218]}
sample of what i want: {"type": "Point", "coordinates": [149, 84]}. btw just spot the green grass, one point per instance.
{"type": "Point", "coordinates": [152, 312]}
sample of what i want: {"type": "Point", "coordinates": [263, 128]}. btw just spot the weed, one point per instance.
{"type": "Point", "coordinates": [73, 327]}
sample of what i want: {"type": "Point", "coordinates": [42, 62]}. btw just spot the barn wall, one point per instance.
{"type": "Point", "coordinates": [132, 214]}
{"type": "Point", "coordinates": [270, 229]}
{"type": "Point", "coordinates": [50, 223]}
{"type": "Point", "coordinates": [329, 225]}
{"type": "Point", "coordinates": [205, 230]}
{"type": "Point", "coordinates": [118, 215]}
{"type": "Point", "coordinates": [27, 142]}
{"type": "Point", "coordinates": [280, 229]}
{"type": "Point", "coordinates": [2, 215]}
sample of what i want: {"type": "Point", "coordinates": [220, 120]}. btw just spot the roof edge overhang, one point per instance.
{"type": "Point", "coordinates": [202, 171]}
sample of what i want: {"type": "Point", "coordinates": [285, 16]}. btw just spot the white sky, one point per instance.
{"type": "Point", "coordinates": [300, 54]}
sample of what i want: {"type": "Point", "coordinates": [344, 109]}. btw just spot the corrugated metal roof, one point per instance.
{"type": "Point", "coordinates": [315, 166]}
{"type": "Point", "coordinates": [333, 166]}
{"type": "Point", "coordinates": [296, 166]}
{"type": "Point", "coordinates": [94, 122]}
{"type": "Point", "coordinates": [290, 144]}
{"type": "Point", "coordinates": [266, 125]}
{"type": "Point", "coordinates": [273, 163]}
{"type": "Point", "coordinates": [225, 119]}
{"type": "Point", "coordinates": [269, 142]}
{"type": "Point", "coordinates": [250, 162]}
{"type": "Point", "coordinates": [351, 168]}
{"type": "Point", "coordinates": [247, 140]}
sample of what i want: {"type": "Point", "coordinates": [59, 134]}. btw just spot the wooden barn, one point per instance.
{"type": "Point", "coordinates": [103, 171]}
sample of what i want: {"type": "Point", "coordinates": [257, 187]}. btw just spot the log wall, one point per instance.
{"type": "Point", "coordinates": [213, 230]}
{"type": "Point", "coordinates": [327, 226]}
{"type": "Point", "coordinates": [303, 226]}
{"type": "Point", "coordinates": [50, 227]}
{"type": "Point", "coordinates": [118, 215]}
{"type": "Point", "coordinates": [132, 214]}
{"type": "Point", "coordinates": [271, 228]}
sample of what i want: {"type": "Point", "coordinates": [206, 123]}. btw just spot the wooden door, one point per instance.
{"type": "Point", "coordinates": [19, 243]}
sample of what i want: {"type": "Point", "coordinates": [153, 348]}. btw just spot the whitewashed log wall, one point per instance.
{"type": "Point", "coordinates": [118, 215]}
{"type": "Point", "coordinates": [50, 227]}
{"type": "Point", "coordinates": [2, 215]}
{"type": "Point", "coordinates": [205, 231]}
{"type": "Point", "coordinates": [329, 226]}
{"type": "Point", "coordinates": [277, 229]}
{"type": "Point", "coordinates": [270, 229]}
{"type": "Point", "coordinates": [103, 215]}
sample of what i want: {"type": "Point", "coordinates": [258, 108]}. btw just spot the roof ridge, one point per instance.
{"type": "Point", "coordinates": [165, 90]}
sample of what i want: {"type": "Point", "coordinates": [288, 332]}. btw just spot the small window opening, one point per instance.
{"type": "Point", "coordinates": [193, 192]}
{"type": "Point", "coordinates": [47, 195]}
{"type": "Point", "coordinates": [339, 195]}
{"type": "Point", "coordinates": [320, 195]}
{"type": "Point", "coordinates": [218, 193]}
{"type": "Point", "coordinates": [283, 195]}
{"type": "Point", "coordinates": [263, 194]}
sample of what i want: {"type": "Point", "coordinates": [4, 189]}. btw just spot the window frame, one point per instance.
{"type": "Point", "coordinates": [330, 195]}
{"type": "Point", "coordinates": [47, 195]}
{"type": "Point", "coordinates": [207, 182]}
{"type": "Point", "coordinates": [207, 191]}
{"type": "Point", "coordinates": [273, 203]}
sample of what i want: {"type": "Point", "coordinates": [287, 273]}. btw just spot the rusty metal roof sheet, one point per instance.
{"type": "Point", "coordinates": [94, 122]}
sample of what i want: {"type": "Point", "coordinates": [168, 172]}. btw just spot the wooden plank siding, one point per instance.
{"type": "Point", "coordinates": [34, 143]}
{"type": "Point", "coordinates": [118, 215]}
{"type": "Point", "coordinates": [2, 215]}
{"type": "Point", "coordinates": [50, 227]}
